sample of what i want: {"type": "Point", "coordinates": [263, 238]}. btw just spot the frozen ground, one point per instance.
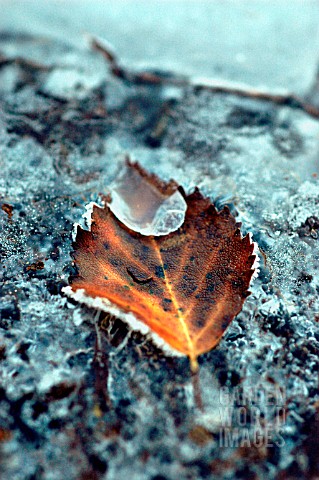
{"type": "Point", "coordinates": [68, 411]}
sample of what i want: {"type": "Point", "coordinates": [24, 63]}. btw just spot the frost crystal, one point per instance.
{"type": "Point", "coordinates": [143, 208]}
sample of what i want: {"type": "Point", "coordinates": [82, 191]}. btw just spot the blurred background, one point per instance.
{"type": "Point", "coordinates": [265, 44]}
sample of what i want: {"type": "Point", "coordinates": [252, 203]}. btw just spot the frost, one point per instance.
{"type": "Point", "coordinates": [256, 263]}
{"type": "Point", "coordinates": [143, 208]}
{"type": "Point", "coordinates": [304, 204]}
{"type": "Point", "coordinates": [68, 83]}
{"type": "Point", "coordinates": [77, 318]}
{"type": "Point", "coordinates": [49, 379]}
{"type": "Point", "coordinates": [129, 318]}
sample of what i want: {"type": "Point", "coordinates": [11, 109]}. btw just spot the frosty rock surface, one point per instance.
{"type": "Point", "coordinates": [127, 409]}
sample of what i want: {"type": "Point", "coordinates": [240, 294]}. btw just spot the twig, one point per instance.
{"type": "Point", "coordinates": [139, 78]}
{"type": "Point", "coordinates": [289, 99]}
{"type": "Point", "coordinates": [100, 367]}
{"type": "Point", "coordinates": [197, 390]}
{"type": "Point", "coordinates": [160, 78]}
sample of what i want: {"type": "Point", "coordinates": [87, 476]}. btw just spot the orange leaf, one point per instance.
{"type": "Point", "coordinates": [186, 287]}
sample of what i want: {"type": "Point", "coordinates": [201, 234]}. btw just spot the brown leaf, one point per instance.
{"type": "Point", "coordinates": [5, 435]}
{"type": "Point", "coordinates": [8, 209]}
{"type": "Point", "coordinates": [186, 287]}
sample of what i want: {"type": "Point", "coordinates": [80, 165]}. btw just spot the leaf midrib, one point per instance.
{"type": "Point", "coordinates": [183, 324]}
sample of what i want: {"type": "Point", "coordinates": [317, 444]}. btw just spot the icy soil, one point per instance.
{"type": "Point", "coordinates": [68, 410]}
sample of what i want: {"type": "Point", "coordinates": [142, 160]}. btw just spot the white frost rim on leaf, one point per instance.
{"type": "Point", "coordinates": [256, 263]}
{"type": "Point", "coordinates": [87, 219]}
{"type": "Point", "coordinates": [87, 215]}
{"type": "Point", "coordinates": [129, 318]}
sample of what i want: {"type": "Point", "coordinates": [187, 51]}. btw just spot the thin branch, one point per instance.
{"type": "Point", "coordinates": [160, 78]}
{"type": "Point", "coordinates": [137, 78]}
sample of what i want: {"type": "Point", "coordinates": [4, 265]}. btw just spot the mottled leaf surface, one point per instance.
{"type": "Point", "coordinates": [186, 286]}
